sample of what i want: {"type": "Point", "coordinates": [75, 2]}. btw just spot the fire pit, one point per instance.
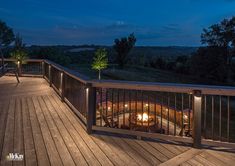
{"type": "Point", "coordinates": [144, 119]}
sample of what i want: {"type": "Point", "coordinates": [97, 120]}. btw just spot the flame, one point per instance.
{"type": "Point", "coordinates": [143, 118]}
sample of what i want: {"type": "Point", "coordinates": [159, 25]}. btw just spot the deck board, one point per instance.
{"type": "Point", "coordinates": [18, 132]}
{"type": "Point", "coordinates": [30, 152]}
{"type": "Point", "coordinates": [39, 143]}
{"type": "Point", "coordinates": [48, 139]}
{"type": "Point", "coordinates": [103, 159]}
{"type": "Point", "coordinates": [117, 149]}
{"type": "Point", "coordinates": [82, 147]}
{"type": "Point", "coordinates": [34, 122]}
{"type": "Point", "coordinates": [8, 145]}
{"type": "Point", "coordinates": [56, 136]}
{"type": "Point", "coordinates": [3, 119]}
{"type": "Point", "coordinates": [65, 137]}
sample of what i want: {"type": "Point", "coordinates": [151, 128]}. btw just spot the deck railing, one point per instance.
{"type": "Point", "coordinates": [181, 112]}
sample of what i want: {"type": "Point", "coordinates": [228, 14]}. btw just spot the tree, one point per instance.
{"type": "Point", "coordinates": [123, 46]}
{"type": "Point", "coordinates": [53, 53]}
{"type": "Point", "coordinates": [222, 35]}
{"type": "Point", "coordinates": [205, 65]}
{"type": "Point", "coordinates": [19, 52]}
{"type": "Point", "coordinates": [6, 37]}
{"type": "Point", "coordinates": [100, 61]}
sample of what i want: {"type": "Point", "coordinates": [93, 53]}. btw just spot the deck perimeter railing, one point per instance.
{"type": "Point", "coordinates": [182, 112]}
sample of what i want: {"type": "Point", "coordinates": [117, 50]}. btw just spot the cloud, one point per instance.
{"type": "Point", "coordinates": [79, 34]}
{"type": "Point", "coordinates": [171, 28]}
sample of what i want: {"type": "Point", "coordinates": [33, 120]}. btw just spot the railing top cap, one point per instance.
{"type": "Point", "coordinates": [167, 87]}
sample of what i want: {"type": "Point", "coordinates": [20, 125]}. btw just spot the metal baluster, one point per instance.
{"type": "Point", "coordinates": [189, 114]}
{"type": "Point", "coordinates": [112, 106]}
{"type": "Point", "coordinates": [136, 98]}
{"type": "Point", "coordinates": [124, 123]}
{"type": "Point", "coordinates": [212, 117]}
{"type": "Point", "coordinates": [161, 112]}
{"type": "Point", "coordinates": [101, 110]}
{"type": "Point", "coordinates": [106, 102]}
{"type": "Point", "coordinates": [118, 107]}
{"type": "Point", "coordinates": [175, 115]}
{"type": "Point", "coordinates": [142, 105]}
{"type": "Point", "coordinates": [205, 117]}
{"type": "Point", "coordinates": [148, 111]}
{"type": "Point", "coordinates": [168, 114]}
{"type": "Point", "coordinates": [182, 113]}
{"type": "Point", "coordinates": [228, 120]}
{"type": "Point", "coordinates": [155, 110]}
{"type": "Point", "coordinates": [220, 110]}
{"type": "Point", "coordinates": [129, 109]}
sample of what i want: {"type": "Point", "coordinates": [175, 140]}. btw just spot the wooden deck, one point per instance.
{"type": "Point", "coordinates": [35, 123]}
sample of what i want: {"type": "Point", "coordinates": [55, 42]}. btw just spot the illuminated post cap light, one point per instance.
{"type": "Point", "coordinates": [197, 93]}
{"type": "Point", "coordinates": [126, 105]}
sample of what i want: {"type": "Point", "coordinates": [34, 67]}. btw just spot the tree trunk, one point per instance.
{"type": "Point", "coordinates": [229, 80]}
{"type": "Point", "coordinates": [99, 75]}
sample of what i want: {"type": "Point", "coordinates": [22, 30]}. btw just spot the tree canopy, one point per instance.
{"type": "Point", "coordinates": [221, 35]}
{"type": "Point", "coordinates": [19, 52]}
{"type": "Point", "coordinates": [123, 46]}
{"type": "Point", "coordinates": [6, 34]}
{"type": "Point", "coordinates": [207, 66]}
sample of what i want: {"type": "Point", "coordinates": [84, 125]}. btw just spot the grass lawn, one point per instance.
{"type": "Point", "coordinates": [139, 73]}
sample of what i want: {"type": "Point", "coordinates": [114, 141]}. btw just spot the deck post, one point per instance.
{"type": "Point", "coordinates": [62, 82]}
{"type": "Point", "coordinates": [197, 108]}
{"type": "Point", "coordinates": [43, 69]}
{"type": "Point", "coordinates": [91, 107]}
{"type": "Point", "coordinates": [19, 68]}
{"type": "Point", "coordinates": [50, 78]}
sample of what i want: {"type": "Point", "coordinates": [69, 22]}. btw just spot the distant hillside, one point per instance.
{"type": "Point", "coordinates": [85, 53]}
{"type": "Point", "coordinates": [170, 51]}
{"type": "Point", "coordinates": [163, 51]}
{"type": "Point", "coordinates": [146, 51]}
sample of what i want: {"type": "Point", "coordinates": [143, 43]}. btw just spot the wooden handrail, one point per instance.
{"type": "Point", "coordinates": [26, 60]}
{"type": "Point", "coordinates": [165, 87]}
{"type": "Point", "coordinates": [69, 72]}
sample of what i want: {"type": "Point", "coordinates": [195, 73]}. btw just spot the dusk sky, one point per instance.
{"type": "Point", "coordinates": [154, 22]}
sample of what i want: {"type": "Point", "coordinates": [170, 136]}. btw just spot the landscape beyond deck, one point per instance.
{"type": "Point", "coordinates": [36, 124]}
